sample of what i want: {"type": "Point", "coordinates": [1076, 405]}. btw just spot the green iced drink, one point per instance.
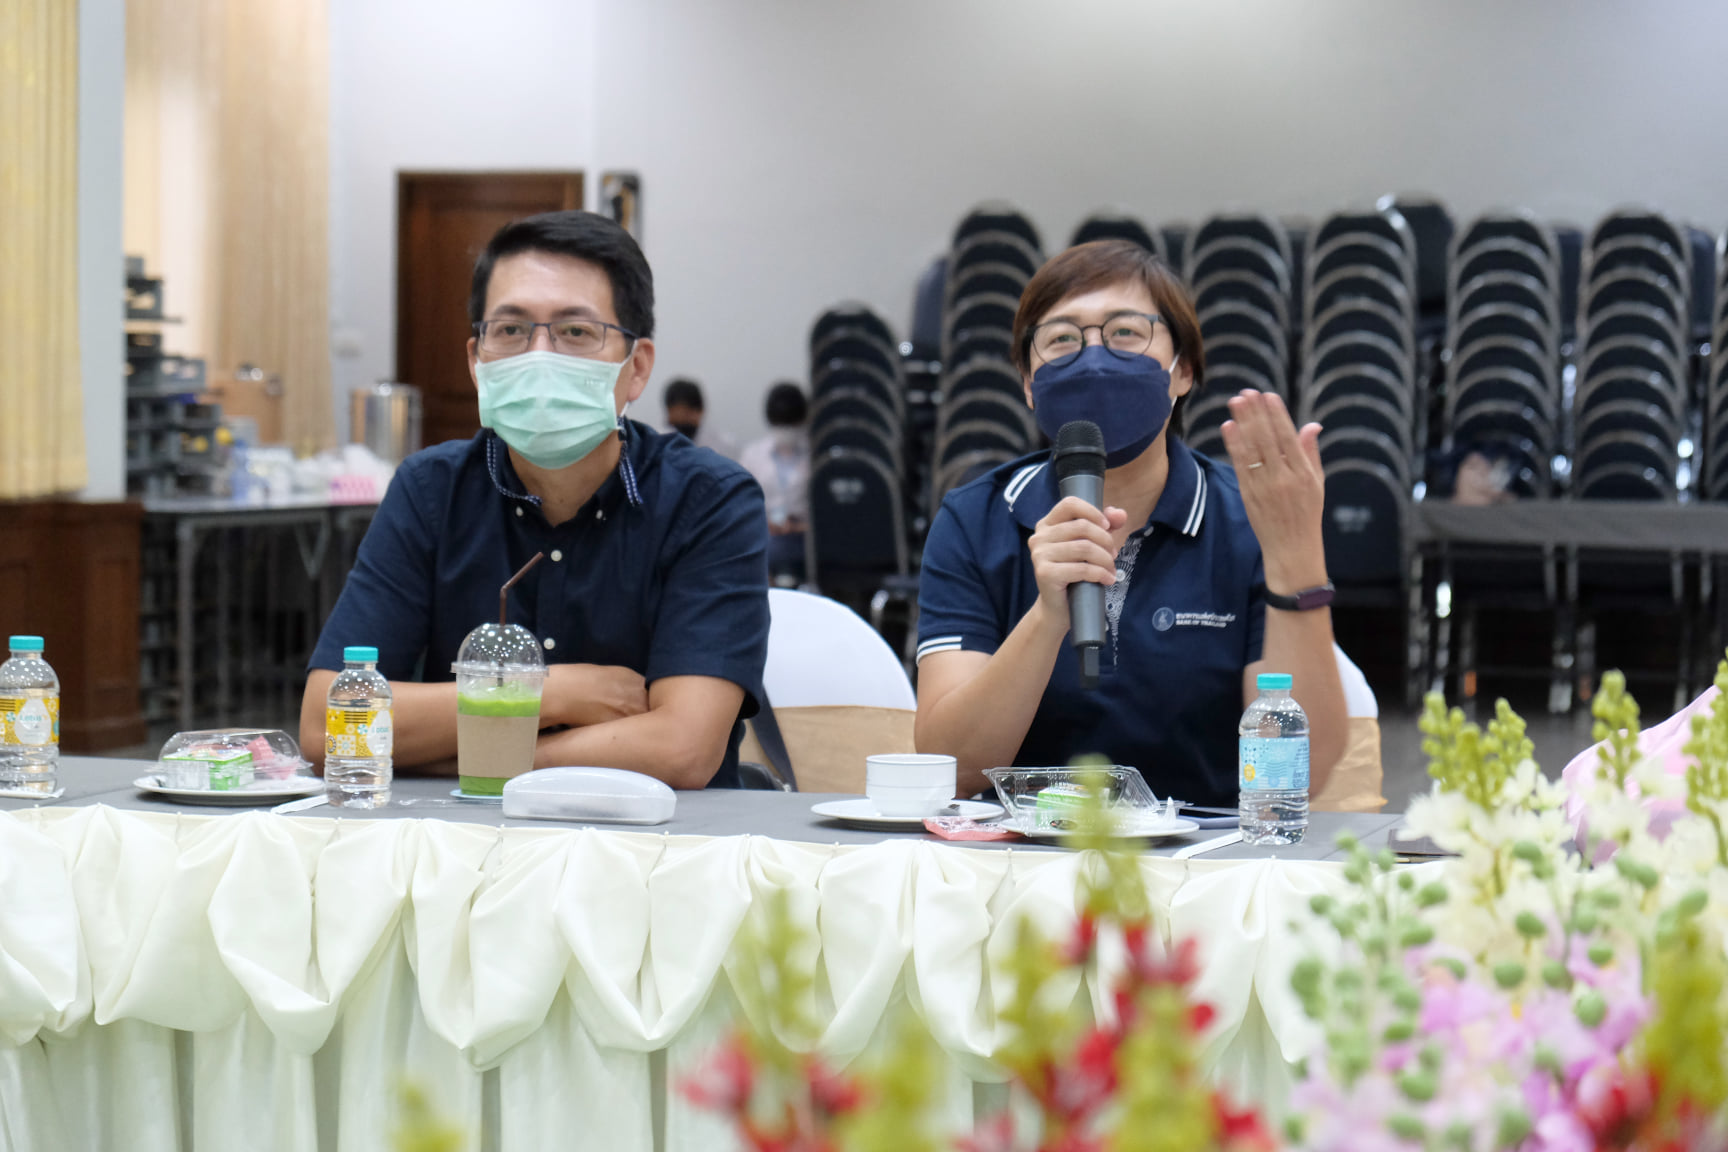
{"type": "Point", "coordinates": [496, 729]}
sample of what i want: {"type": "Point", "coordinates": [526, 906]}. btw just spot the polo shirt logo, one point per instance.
{"type": "Point", "coordinates": [1167, 618]}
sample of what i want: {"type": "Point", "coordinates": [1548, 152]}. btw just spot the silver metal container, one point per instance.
{"type": "Point", "coordinates": [386, 418]}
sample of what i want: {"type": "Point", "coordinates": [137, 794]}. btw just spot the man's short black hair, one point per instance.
{"type": "Point", "coordinates": [683, 392]}
{"type": "Point", "coordinates": [586, 236]}
{"type": "Point", "coordinates": [786, 405]}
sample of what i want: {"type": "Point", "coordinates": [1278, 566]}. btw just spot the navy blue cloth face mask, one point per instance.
{"type": "Point", "coordinates": [1127, 397]}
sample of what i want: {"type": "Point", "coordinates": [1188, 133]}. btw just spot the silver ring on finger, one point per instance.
{"type": "Point", "coordinates": [1256, 464]}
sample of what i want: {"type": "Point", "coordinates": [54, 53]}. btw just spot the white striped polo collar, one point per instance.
{"type": "Point", "coordinates": [1031, 492]}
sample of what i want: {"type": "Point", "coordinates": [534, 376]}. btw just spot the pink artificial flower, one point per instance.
{"type": "Point", "coordinates": [994, 1135]}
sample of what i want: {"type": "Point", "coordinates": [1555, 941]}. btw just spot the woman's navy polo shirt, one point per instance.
{"type": "Point", "coordinates": [663, 571]}
{"type": "Point", "coordinates": [1187, 620]}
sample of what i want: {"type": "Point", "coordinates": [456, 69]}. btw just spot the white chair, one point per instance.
{"type": "Point", "coordinates": [823, 654]}
{"type": "Point", "coordinates": [838, 690]}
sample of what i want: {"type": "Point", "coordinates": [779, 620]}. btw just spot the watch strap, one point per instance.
{"type": "Point", "coordinates": [1306, 600]}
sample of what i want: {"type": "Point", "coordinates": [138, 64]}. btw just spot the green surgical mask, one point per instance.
{"type": "Point", "coordinates": [553, 409]}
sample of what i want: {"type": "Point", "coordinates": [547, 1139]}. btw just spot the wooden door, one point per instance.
{"type": "Point", "coordinates": [444, 220]}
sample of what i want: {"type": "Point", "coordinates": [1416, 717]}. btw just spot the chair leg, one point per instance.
{"type": "Point", "coordinates": [1563, 659]}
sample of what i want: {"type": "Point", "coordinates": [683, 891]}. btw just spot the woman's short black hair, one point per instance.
{"type": "Point", "coordinates": [786, 405]}
{"type": "Point", "coordinates": [586, 236]}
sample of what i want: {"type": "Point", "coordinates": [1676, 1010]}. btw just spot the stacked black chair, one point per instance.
{"type": "Point", "coordinates": [1502, 399]}
{"type": "Point", "coordinates": [1634, 320]}
{"type": "Point", "coordinates": [856, 543]}
{"type": "Point", "coordinates": [982, 420]}
{"type": "Point", "coordinates": [1713, 478]}
{"type": "Point", "coordinates": [1431, 226]}
{"type": "Point", "coordinates": [1502, 357]}
{"type": "Point", "coordinates": [1358, 380]}
{"type": "Point", "coordinates": [1630, 413]}
{"type": "Point", "coordinates": [1240, 271]}
{"type": "Point", "coordinates": [1110, 225]}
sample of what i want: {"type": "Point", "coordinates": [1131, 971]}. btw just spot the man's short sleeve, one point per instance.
{"type": "Point", "coordinates": [955, 608]}
{"type": "Point", "coordinates": [713, 614]}
{"type": "Point", "coordinates": [387, 600]}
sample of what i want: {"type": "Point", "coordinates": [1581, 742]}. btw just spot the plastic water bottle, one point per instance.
{"type": "Point", "coordinates": [1272, 765]}
{"type": "Point", "coordinates": [29, 720]}
{"type": "Point", "coordinates": [359, 732]}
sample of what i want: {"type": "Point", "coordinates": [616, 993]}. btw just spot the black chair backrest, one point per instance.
{"type": "Point", "coordinates": [982, 374]}
{"type": "Point", "coordinates": [1432, 228]}
{"type": "Point", "coordinates": [1364, 525]}
{"type": "Point", "coordinates": [978, 436]}
{"type": "Point", "coordinates": [852, 315]}
{"type": "Point", "coordinates": [1367, 412]}
{"type": "Point", "coordinates": [1259, 229]}
{"type": "Point", "coordinates": [978, 343]}
{"type": "Point", "coordinates": [985, 310]}
{"type": "Point", "coordinates": [980, 405]}
{"type": "Point", "coordinates": [858, 375]}
{"type": "Point", "coordinates": [1247, 289]}
{"type": "Point", "coordinates": [976, 279]}
{"type": "Point", "coordinates": [864, 436]}
{"type": "Point", "coordinates": [995, 248]}
{"type": "Point", "coordinates": [854, 404]}
{"type": "Point", "coordinates": [843, 344]}
{"type": "Point", "coordinates": [855, 517]}
{"type": "Point", "coordinates": [927, 303]}
{"type": "Point", "coordinates": [1238, 254]}
{"type": "Point", "coordinates": [1118, 226]}
{"type": "Point", "coordinates": [996, 216]}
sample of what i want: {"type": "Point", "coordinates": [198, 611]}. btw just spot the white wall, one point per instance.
{"type": "Point", "coordinates": [795, 154]}
{"type": "Point", "coordinates": [101, 295]}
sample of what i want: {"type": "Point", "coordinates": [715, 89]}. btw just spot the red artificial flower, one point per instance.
{"type": "Point", "coordinates": [1613, 1102]}
{"type": "Point", "coordinates": [1081, 943]}
{"type": "Point", "coordinates": [1134, 936]}
{"type": "Point", "coordinates": [833, 1093]}
{"type": "Point", "coordinates": [1200, 1015]}
{"type": "Point", "coordinates": [1078, 1091]}
{"type": "Point", "coordinates": [724, 1082]}
{"type": "Point", "coordinates": [1241, 1128]}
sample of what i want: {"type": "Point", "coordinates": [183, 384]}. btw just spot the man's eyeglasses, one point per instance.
{"type": "Point", "coordinates": [1127, 334]}
{"type": "Point", "coordinates": [585, 338]}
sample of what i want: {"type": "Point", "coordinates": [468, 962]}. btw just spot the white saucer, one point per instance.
{"type": "Point", "coordinates": [1163, 830]}
{"type": "Point", "coordinates": [258, 792]}
{"type": "Point", "coordinates": [861, 813]}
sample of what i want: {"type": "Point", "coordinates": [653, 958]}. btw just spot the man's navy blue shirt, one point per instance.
{"type": "Point", "coordinates": [663, 571]}
{"type": "Point", "coordinates": [1186, 617]}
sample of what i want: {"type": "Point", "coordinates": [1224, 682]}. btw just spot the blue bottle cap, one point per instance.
{"type": "Point", "coordinates": [370, 655]}
{"type": "Point", "coordinates": [26, 643]}
{"type": "Point", "coordinates": [1273, 681]}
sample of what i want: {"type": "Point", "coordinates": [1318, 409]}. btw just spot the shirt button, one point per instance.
{"type": "Point", "coordinates": [1121, 575]}
{"type": "Point", "coordinates": [518, 509]}
{"type": "Point", "coordinates": [550, 643]}
{"type": "Point", "coordinates": [557, 555]}
{"type": "Point", "coordinates": [599, 513]}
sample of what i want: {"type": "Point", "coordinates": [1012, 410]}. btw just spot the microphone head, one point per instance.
{"type": "Point", "coordinates": [1079, 450]}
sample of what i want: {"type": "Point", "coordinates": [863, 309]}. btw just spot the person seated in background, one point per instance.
{"type": "Point", "coordinates": [684, 411]}
{"type": "Point", "coordinates": [651, 600]}
{"type": "Point", "coordinates": [780, 461]}
{"type": "Point", "coordinates": [1210, 578]}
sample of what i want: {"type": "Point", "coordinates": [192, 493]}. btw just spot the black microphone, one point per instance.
{"type": "Point", "coordinates": [1080, 472]}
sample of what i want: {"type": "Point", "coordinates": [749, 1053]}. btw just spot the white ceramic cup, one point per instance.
{"type": "Point", "coordinates": [909, 783]}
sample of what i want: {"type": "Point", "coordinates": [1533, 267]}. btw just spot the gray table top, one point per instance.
{"type": "Point", "coordinates": [716, 812]}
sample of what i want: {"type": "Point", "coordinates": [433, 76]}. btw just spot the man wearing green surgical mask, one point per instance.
{"type": "Point", "coordinates": [651, 602]}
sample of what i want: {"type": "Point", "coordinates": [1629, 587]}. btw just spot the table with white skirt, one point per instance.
{"type": "Point", "coordinates": [176, 977]}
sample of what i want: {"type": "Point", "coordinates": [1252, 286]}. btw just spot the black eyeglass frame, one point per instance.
{"type": "Point", "coordinates": [1032, 337]}
{"type": "Point", "coordinates": [629, 336]}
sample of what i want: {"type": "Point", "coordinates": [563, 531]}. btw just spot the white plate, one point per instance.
{"type": "Point", "coordinates": [259, 792]}
{"type": "Point", "coordinates": [861, 813]}
{"type": "Point", "coordinates": [1163, 830]}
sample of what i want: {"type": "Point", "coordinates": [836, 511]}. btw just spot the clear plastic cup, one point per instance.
{"type": "Point", "coordinates": [499, 674]}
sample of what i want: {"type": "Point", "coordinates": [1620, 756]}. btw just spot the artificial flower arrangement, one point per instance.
{"type": "Point", "coordinates": [1555, 987]}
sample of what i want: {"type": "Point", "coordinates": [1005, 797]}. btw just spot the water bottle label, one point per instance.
{"type": "Point", "coordinates": [31, 721]}
{"type": "Point", "coordinates": [357, 732]}
{"type": "Point", "coordinates": [1273, 763]}
{"type": "Point", "coordinates": [380, 733]}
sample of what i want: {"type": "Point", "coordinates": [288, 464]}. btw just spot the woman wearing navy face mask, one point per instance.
{"type": "Point", "coordinates": [1210, 577]}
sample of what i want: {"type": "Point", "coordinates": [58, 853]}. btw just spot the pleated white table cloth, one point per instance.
{"type": "Point", "coordinates": [260, 982]}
